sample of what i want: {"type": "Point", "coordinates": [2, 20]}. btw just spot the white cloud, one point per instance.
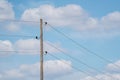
{"type": "Point", "coordinates": [33, 46]}
{"type": "Point", "coordinates": [103, 77]}
{"type": "Point", "coordinates": [113, 73]}
{"type": "Point", "coordinates": [13, 74]}
{"type": "Point", "coordinates": [115, 16]}
{"type": "Point", "coordinates": [52, 68]}
{"type": "Point", "coordinates": [111, 21]}
{"type": "Point", "coordinates": [12, 27]}
{"type": "Point", "coordinates": [57, 68]}
{"type": "Point", "coordinates": [5, 46]}
{"type": "Point", "coordinates": [27, 47]}
{"type": "Point", "coordinates": [59, 16]}
{"type": "Point", "coordinates": [114, 67]}
{"type": "Point", "coordinates": [6, 10]}
{"type": "Point", "coordinates": [76, 17]}
{"type": "Point", "coordinates": [6, 13]}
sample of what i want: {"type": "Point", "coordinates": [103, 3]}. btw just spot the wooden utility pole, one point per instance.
{"type": "Point", "coordinates": [41, 50]}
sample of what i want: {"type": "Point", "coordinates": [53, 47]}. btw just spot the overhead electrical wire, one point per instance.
{"type": "Point", "coordinates": [31, 51]}
{"type": "Point", "coordinates": [14, 20]}
{"type": "Point", "coordinates": [54, 57]}
{"type": "Point", "coordinates": [20, 51]}
{"type": "Point", "coordinates": [66, 54]}
{"type": "Point", "coordinates": [81, 46]}
{"type": "Point", "coordinates": [77, 60]}
{"type": "Point", "coordinates": [61, 34]}
{"type": "Point", "coordinates": [12, 35]}
{"type": "Point", "coordinates": [86, 73]}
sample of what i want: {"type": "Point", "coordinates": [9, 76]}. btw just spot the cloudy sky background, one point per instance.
{"type": "Point", "coordinates": [93, 24]}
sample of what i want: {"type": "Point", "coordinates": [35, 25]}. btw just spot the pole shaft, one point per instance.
{"type": "Point", "coordinates": [41, 49]}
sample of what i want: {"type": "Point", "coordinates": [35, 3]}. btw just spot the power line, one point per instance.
{"type": "Point", "coordinates": [81, 46]}
{"type": "Point", "coordinates": [17, 51]}
{"type": "Point", "coordinates": [10, 35]}
{"type": "Point", "coordinates": [64, 36]}
{"type": "Point", "coordinates": [88, 74]}
{"type": "Point", "coordinates": [79, 61]}
{"type": "Point", "coordinates": [14, 20]}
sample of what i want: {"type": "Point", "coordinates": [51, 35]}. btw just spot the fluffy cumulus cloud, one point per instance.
{"type": "Point", "coordinates": [61, 16]}
{"type": "Point", "coordinates": [33, 46]}
{"type": "Point", "coordinates": [52, 68]}
{"type": "Point", "coordinates": [4, 47]}
{"type": "Point", "coordinates": [57, 68]}
{"type": "Point", "coordinates": [27, 47]}
{"type": "Point", "coordinates": [12, 27]}
{"type": "Point", "coordinates": [114, 67]}
{"type": "Point", "coordinates": [6, 10]}
{"type": "Point", "coordinates": [111, 21]}
{"type": "Point", "coordinates": [113, 73]}
{"type": "Point", "coordinates": [75, 16]}
{"type": "Point", "coordinates": [6, 13]}
{"type": "Point", "coordinates": [106, 76]}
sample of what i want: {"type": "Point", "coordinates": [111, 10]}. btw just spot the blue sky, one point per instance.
{"type": "Point", "coordinates": [97, 8]}
{"type": "Point", "coordinates": [92, 24]}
